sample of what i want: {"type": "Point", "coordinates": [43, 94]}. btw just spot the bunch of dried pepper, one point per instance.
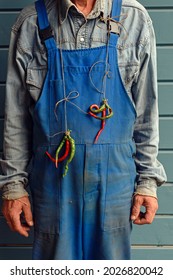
{"type": "Point", "coordinates": [69, 143]}
{"type": "Point", "coordinates": [106, 111]}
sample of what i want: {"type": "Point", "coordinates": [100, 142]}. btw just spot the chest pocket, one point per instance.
{"type": "Point", "coordinates": [35, 77]}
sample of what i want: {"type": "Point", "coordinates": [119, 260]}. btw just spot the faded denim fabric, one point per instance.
{"type": "Point", "coordinates": [27, 69]}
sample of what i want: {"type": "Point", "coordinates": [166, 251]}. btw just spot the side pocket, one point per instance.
{"type": "Point", "coordinates": [45, 194]}
{"type": "Point", "coordinates": [119, 189]}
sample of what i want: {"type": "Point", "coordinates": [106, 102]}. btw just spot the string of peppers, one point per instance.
{"type": "Point", "coordinates": [94, 110]}
{"type": "Point", "coordinates": [69, 143]}
{"type": "Point", "coordinates": [106, 111]}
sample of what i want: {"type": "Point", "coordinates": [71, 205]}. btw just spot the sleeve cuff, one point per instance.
{"type": "Point", "coordinates": [14, 191]}
{"type": "Point", "coordinates": [147, 187]}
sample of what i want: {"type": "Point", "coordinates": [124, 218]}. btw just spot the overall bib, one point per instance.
{"type": "Point", "coordinates": [86, 214]}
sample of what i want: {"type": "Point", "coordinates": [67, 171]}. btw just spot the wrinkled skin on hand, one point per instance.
{"type": "Point", "coordinates": [12, 210]}
{"type": "Point", "coordinates": [151, 206]}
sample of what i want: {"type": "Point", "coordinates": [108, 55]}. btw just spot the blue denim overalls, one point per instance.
{"type": "Point", "coordinates": [86, 214]}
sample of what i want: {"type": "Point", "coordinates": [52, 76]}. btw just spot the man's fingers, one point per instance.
{"type": "Point", "coordinates": [144, 219]}
{"type": "Point", "coordinates": [27, 210]}
{"type": "Point", "coordinates": [151, 206]}
{"type": "Point", "coordinates": [149, 215]}
{"type": "Point", "coordinates": [28, 215]}
{"type": "Point", "coordinates": [135, 209]}
{"type": "Point", "coordinates": [17, 226]}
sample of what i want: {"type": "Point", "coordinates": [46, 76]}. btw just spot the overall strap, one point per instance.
{"type": "Point", "coordinates": [116, 8]}
{"type": "Point", "coordinates": [45, 30]}
{"type": "Point", "coordinates": [115, 14]}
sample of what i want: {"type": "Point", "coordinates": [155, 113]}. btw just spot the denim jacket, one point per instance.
{"type": "Point", "coordinates": [27, 67]}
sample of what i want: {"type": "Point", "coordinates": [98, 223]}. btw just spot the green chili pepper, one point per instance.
{"type": "Point", "coordinates": [70, 147]}
{"type": "Point", "coordinates": [96, 111]}
{"type": "Point", "coordinates": [59, 149]}
{"type": "Point", "coordinates": [72, 153]}
{"type": "Point", "coordinates": [93, 112]}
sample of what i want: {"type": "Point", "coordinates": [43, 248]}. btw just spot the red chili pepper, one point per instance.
{"type": "Point", "coordinates": [49, 156]}
{"type": "Point", "coordinates": [67, 149]}
{"type": "Point", "coordinates": [96, 107]}
{"type": "Point", "coordinates": [102, 126]}
{"type": "Point", "coordinates": [93, 115]}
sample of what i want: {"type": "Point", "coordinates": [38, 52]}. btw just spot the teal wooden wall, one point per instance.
{"type": "Point", "coordinates": [12, 245]}
{"type": "Point", "coordinates": [148, 242]}
{"type": "Point", "coordinates": [156, 241]}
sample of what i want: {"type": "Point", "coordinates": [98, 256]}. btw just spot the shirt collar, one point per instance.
{"type": "Point", "coordinates": [100, 6]}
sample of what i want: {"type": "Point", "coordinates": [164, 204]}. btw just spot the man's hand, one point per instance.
{"type": "Point", "coordinates": [151, 206]}
{"type": "Point", "coordinates": [12, 210]}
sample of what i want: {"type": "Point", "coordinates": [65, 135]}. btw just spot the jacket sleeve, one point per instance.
{"type": "Point", "coordinates": [17, 146]}
{"type": "Point", "coordinates": [146, 132]}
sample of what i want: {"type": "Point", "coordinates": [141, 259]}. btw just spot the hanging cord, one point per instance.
{"type": "Point", "coordinates": [63, 80]}
{"type": "Point", "coordinates": [106, 20]}
{"type": "Point", "coordinates": [107, 66]}
{"type": "Point", "coordinates": [69, 97]}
